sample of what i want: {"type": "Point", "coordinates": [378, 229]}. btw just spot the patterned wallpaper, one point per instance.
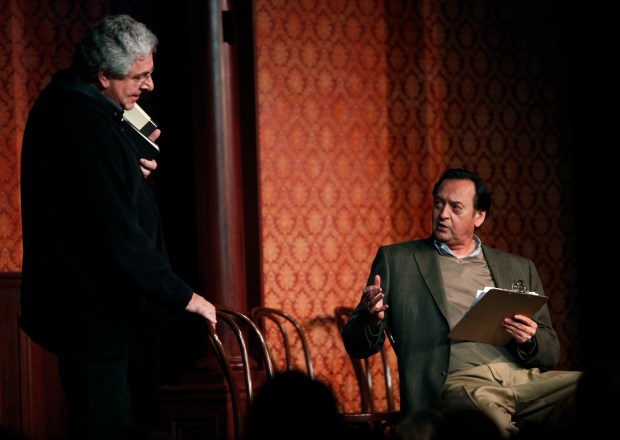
{"type": "Point", "coordinates": [361, 104]}
{"type": "Point", "coordinates": [37, 38]}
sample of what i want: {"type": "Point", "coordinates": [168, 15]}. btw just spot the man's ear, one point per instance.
{"type": "Point", "coordinates": [479, 218]}
{"type": "Point", "coordinates": [104, 79]}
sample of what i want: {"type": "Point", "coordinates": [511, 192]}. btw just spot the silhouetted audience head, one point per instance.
{"type": "Point", "coordinates": [7, 433]}
{"type": "Point", "coordinates": [292, 405]}
{"type": "Point", "coordinates": [597, 385]}
{"type": "Point", "coordinates": [594, 411]}
{"type": "Point", "coordinates": [586, 412]}
{"type": "Point", "coordinates": [448, 425]}
{"type": "Point", "coordinates": [468, 424]}
{"type": "Point", "coordinates": [421, 425]}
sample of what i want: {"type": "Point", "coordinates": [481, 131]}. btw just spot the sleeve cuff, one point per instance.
{"type": "Point", "coordinates": [528, 348]}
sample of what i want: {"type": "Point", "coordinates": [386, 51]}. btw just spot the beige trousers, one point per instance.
{"type": "Point", "coordinates": [508, 393]}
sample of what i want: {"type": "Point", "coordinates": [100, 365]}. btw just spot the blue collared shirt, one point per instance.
{"type": "Point", "coordinates": [445, 250]}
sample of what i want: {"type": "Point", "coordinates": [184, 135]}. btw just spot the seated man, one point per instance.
{"type": "Point", "coordinates": [420, 289]}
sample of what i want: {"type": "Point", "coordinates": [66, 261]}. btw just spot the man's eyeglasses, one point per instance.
{"type": "Point", "coordinates": [141, 79]}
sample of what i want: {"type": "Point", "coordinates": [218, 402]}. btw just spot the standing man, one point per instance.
{"type": "Point", "coordinates": [420, 289]}
{"type": "Point", "coordinates": [95, 267]}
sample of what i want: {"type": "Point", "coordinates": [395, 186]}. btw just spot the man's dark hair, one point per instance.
{"type": "Point", "coordinates": [482, 199]}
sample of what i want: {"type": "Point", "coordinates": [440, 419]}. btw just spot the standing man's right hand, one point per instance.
{"type": "Point", "coordinates": [198, 304]}
{"type": "Point", "coordinates": [373, 298]}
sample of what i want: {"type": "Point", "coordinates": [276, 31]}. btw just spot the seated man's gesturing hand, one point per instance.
{"type": "Point", "coordinates": [373, 297]}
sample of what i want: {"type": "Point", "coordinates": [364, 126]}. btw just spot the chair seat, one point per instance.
{"type": "Point", "coordinates": [391, 417]}
{"type": "Point", "coordinates": [382, 423]}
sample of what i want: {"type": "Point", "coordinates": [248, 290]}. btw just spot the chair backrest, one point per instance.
{"type": "Point", "coordinates": [364, 373]}
{"type": "Point", "coordinates": [284, 323]}
{"type": "Point", "coordinates": [245, 331]}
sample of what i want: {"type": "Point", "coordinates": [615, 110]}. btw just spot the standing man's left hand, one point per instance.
{"type": "Point", "coordinates": [147, 166]}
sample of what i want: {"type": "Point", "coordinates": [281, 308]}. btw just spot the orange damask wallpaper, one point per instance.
{"type": "Point", "coordinates": [37, 38]}
{"type": "Point", "coordinates": [361, 104]}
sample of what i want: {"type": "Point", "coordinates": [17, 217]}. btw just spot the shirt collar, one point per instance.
{"type": "Point", "coordinates": [445, 250]}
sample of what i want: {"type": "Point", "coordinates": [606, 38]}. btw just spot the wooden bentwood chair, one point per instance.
{"type": "Point", "coordinates": [384, 421]}
{"type": "Point", "coordinates": [284, 323]}
{"type": "Point", "coordinates": [245, 331]}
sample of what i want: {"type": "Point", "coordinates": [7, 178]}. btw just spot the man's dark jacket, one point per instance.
{"type": "Point", "coordinates": [417, 317]}
{"type": "Point", "coordinates": [94, 255]}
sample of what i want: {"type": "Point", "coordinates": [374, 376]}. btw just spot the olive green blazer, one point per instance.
{"type": "Point", "coordinates": [417, 317]}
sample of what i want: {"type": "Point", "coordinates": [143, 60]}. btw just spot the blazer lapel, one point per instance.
{"type": "Point", "coordinates": [499, 268]}
{"type": "Point", "coordinates": [426, 257]}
